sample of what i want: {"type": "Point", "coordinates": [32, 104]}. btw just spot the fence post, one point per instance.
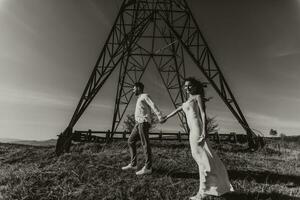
{"type": "Point", "coordinates": [279, 149]}
{"type": "Point", "coordinates": [107, 135]}
{"type": "Point", "coordinates": [233, 134]}
{"type": "Point", "coordinates": [75, 137]}
{"type": "Point", "coordinates": [124, 135]}
{"type": "Point", "coordinates": [179, 136]}
{"type": "Point", "coordinates": [85, 136]}
{"type": "Point", "coordinates": [89, 135]}
{"type": "Point", "coordinates": [217, 137]}
{"type": "Point", "coordinates": [81, 136]}
{"type": "Point", "coordinates": [160, 136]}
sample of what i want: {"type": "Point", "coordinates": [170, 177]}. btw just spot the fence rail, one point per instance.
{"type": "Point", "coordinates": [103, 136]}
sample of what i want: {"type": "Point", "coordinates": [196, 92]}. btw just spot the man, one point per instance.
{"type": "Point", "coordinates": [142, 116]}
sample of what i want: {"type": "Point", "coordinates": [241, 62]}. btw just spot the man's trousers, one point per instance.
{"type": "Point", "coordinates": [140, 130]}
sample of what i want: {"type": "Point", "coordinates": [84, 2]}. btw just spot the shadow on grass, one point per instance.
{"type": "Point", "coordinates": [265, 177]}
{"type": "Point", "coordinates": [259, 177]}
{"type": "Point", "coordinates": [234, 148]}
{"type": "Point", "coordinates": [257, 196]}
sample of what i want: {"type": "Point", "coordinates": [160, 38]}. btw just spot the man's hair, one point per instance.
{"type": "Point", "coordinates": [139, 85]}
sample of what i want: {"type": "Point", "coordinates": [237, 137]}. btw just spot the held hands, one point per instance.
{"type": "Point", "coordinates": [201, 139]}
{"type": "Point", "coordinates": [163, 119]}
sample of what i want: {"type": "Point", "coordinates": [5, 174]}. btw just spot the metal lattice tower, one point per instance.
{"type": "Point", "coordinates": [162, 32]}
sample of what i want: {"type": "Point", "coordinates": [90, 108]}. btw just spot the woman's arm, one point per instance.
{"type": "Point", "coordinates": [173, 113]}
{"type": "Point", "coordinates": [203, 116]}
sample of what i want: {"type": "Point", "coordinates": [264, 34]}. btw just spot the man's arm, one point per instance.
{"type": "Point", "coordinates": [153, 107]}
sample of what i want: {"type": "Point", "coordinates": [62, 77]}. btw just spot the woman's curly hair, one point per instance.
{"type": "Point", "coordinates": [198, 84]}
{"type": "Point", "coordinates": [199, 89]}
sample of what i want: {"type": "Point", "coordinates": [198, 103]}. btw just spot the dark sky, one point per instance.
{"type": "Point", "coordinates": [49, 47]}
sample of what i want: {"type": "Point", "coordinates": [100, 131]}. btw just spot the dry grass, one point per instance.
{"type": "Point", "coordinates": [92, 171]}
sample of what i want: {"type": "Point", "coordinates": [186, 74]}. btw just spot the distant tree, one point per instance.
{"type": "Point", "coordinates": [273, 132]}
{"type": "Point", "coordinates": [282, 135]}
{"type": "Point", "coordinates": [211, 125]}
{"type": "Point", "coordinates": [129, 122]}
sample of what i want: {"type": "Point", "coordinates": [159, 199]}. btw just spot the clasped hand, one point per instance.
{"type": "Point", "coordinates": [201, 140]}
{"type": "Point", "coordinates": [163, 119]}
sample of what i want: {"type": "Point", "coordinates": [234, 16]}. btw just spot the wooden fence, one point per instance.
{"type": "Point", "coordinates": [103, 136]}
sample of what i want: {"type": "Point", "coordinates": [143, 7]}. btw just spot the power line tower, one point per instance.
{"type": "Point", "coordinates": [162, 32]}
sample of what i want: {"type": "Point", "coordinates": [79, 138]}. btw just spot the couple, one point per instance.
{"type": "Point", "coordinates": [213, 175]}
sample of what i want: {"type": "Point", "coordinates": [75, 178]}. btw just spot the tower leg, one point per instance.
{"type": "Point", "coordinates": [184, 26]}
{"type": "Point", "coordinates": [64, 142]}
{"type": "Point", "coordinates": [117, 46]}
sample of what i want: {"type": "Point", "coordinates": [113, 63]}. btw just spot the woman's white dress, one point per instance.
{"type": "Point", "coordinates": [213, 174]}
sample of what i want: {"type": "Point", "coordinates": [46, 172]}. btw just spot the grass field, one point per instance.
{"type": "Point", "coordinates": [92, 171]}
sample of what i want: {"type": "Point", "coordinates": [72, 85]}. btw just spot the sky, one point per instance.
{"type": "Point", "coordinates": [48, 49]}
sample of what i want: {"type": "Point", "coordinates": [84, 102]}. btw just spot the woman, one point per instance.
{"type": "Point", "coordinates": [213, 175]}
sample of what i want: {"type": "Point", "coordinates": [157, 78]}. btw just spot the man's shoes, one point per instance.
{"type": "Point", "coordinates": [130, 166]}
{"type": "Point", "coordinates": [144, 171]}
